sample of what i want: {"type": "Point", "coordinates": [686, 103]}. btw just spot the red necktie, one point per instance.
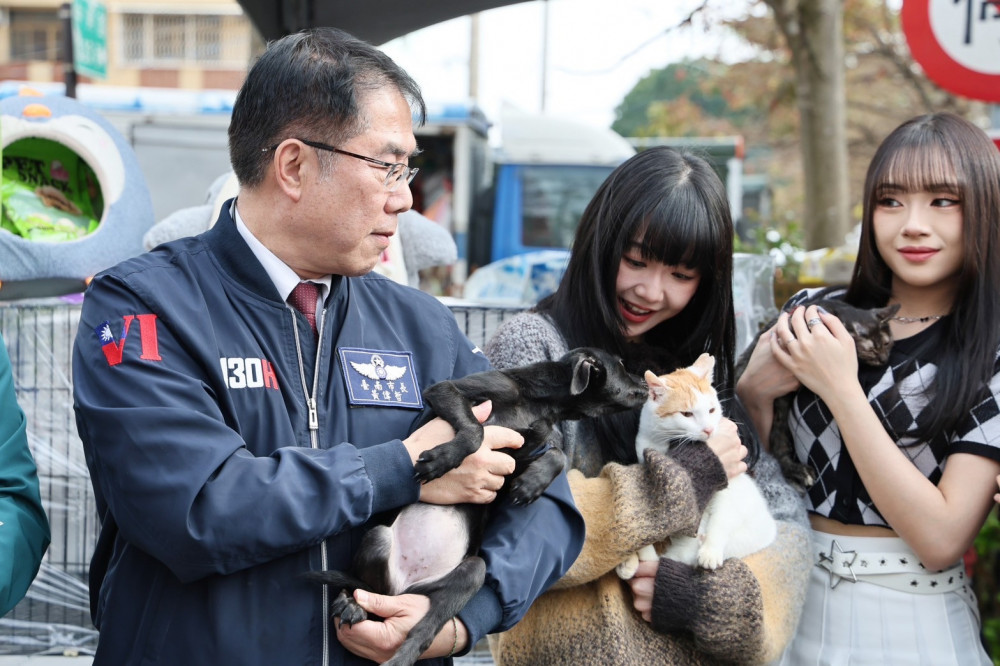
{"type": "Point", "coordinates": [303, 298]}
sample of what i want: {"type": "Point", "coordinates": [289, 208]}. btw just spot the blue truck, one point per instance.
{"type": "Point", "coordinates": [524, 194]}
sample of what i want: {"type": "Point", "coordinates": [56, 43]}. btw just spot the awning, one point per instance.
{"type": "Point", "coordinates": [375, 22]}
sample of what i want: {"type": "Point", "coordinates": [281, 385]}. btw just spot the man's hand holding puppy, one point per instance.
{"type": "Point", "coordinates": [481, 475]}
{"type": "Point", "coordinates": [378, 641]}
{"type": "Point", "coordinates": [477, 480]}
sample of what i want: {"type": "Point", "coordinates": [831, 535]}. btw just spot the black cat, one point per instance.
{"type": "Point", "coordinates": [873, 340]}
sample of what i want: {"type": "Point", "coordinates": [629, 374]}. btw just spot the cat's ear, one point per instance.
{"type": "Point", "coordinates": [657, 389]}
{"type": "Point", "coordinates": [888, 312]}
{"type": "Point", "coordinates": [704, 366]}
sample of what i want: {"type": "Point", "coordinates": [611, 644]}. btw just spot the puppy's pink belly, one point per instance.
{"type": "Point", "coordinates": [428, 542]}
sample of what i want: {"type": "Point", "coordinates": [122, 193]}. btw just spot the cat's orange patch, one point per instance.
{"type": "Point", "coordinates": [683, 391]}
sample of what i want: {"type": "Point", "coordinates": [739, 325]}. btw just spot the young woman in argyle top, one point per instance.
{"type": "Point", "coordinates": [907, 454]}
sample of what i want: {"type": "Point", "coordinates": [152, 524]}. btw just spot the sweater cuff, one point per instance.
{"type": "Point", "coordinates": [390, 471]}
{"type": "Point", "coordinates": [481, 616]}
{"type": "Point", "coordinates": [675, 596]}
{"type": "Point", "coordinates": [705, 469]}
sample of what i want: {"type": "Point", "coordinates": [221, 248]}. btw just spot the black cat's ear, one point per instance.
{"type": "Point", "coordinates": [888, 312]}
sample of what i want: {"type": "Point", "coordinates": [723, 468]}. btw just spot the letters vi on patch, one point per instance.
{"type": "Point", "coordinates": [114, 349]}
{"type": "Point", "coordinates": [380, 378]}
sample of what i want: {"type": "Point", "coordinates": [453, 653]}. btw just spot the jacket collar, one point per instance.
{"type": "Point", "coordinates": [235, 256]}
{"type": "Point", "coordinates": [239, 261]}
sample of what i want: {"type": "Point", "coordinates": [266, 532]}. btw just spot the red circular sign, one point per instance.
{"type": "Point", "coordinates": [966, 18]}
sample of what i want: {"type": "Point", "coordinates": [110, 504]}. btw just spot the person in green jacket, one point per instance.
{"type": "Point", "coordinates": [24, 529]}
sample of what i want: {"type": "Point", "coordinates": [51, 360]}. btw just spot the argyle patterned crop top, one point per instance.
{"type": "Point", "coordinates": [897, 394]}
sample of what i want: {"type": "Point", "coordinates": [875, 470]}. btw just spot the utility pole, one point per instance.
{"type": "Point", "coordinates": [545, 50]}
{"type": "Point", "coordinates": [474, 57]}
{"type": "Point", "coordinates": [69, 72]}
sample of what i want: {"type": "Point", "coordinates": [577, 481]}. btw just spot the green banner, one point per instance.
{"type": "Point", "coordinates": [90, 38]}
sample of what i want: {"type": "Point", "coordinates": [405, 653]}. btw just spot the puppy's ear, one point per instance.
{"type": "Point", "coordinates": [582, 369]}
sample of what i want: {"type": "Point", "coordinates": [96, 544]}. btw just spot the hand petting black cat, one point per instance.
{"type": "Point", "coordinates": [873, 340]}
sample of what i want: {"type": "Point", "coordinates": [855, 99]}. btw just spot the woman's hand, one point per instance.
{"type": "Point", "coordinates": [725, 443]}
{"type": "Point", "coordinates": [480, 475]}
{"type": "Point", "coordinates": [642, 584]}
{"type": "Point", "coordinates": [764, 380]}
{"type": "Point", "coordinates": [996, 498]}
{"type": "Point", "coordinates": [817, 349]}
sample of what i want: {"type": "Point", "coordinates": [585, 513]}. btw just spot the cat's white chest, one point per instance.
{"type": "Point", "coordinates": [736, 523]}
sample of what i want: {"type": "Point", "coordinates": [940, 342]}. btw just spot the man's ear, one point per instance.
{"type": "Point", "coordinates": [287, 163]}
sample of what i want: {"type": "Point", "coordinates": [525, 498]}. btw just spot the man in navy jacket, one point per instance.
{"type": "Point", "coordinates": [235, 442]}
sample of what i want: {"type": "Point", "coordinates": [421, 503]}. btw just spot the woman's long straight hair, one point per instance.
{"type": "Point", "coordinates": [927, 153]}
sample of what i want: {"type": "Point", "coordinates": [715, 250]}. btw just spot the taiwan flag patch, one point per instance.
{"type": "Point", "coordinates": [114, 348]}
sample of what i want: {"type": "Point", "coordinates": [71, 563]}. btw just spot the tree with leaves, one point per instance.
{"type": "Point", "coordinates": [764, 100]}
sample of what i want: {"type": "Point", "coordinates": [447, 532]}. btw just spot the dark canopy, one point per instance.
{"type": "Point", "coordinates": [375, 22]}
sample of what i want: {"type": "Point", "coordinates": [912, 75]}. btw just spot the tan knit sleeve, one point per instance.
{"type": "Point", "coordinates": [630, 506]}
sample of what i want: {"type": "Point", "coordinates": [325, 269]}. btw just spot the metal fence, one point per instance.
{"type": "Point", "coordinates": [54, 616]}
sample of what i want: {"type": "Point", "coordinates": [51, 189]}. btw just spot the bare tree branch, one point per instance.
{"type": "Point", "coordinates": [684, 22]}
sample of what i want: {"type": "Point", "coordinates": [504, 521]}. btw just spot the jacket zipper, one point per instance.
{"type": "Point", "coordinates": [313, 411]}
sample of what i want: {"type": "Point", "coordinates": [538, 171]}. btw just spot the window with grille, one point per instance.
{"type": "Point", "coordinates": [171, 40]}
{"type": "Point", "coordinates": [35, 35]}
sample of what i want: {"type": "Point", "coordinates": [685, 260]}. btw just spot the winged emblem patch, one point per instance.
{"type": "Point", "coordinates": [382, 378]}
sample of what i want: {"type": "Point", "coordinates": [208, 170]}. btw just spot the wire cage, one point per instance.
{"type": "Point", "coordinates": [54, 617]}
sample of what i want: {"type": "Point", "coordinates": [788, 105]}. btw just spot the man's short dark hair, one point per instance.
{"type": "Point", "coordinates": [308, 84]}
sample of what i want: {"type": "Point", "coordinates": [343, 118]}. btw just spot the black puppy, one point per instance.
{"type": "Point", "coordinates": [431, 549]}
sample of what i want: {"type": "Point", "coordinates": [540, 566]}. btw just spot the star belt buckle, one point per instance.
{"type": "Point", "coordinates": [835, 577]}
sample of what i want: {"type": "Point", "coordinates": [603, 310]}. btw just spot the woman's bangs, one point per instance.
{"type": "Point", "coordinates": [926, 167]}
{"type": "Point", "coordinates": [679, 233]}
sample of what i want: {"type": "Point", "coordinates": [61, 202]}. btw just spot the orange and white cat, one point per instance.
{"type": "Point", "coordinates": [682, 407]}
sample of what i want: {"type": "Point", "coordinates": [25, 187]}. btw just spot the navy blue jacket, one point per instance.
{"type": "Point", "coordinates": [213, 490]}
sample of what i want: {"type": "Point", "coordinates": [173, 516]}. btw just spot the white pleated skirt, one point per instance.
{"type": "Point", "coordinates": [863, 624]}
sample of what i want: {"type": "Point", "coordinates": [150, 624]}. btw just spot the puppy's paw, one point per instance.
{"type": "Point", "coordinates": [438, 461]}
{"type": "Point", "coordinates": [347, 609]}
{"type": "Point", "coordinates": [626, 570]}
{"type": "Point", "coordinates": [435, 463]}
{"type": "Point", "coordinates": [526, 490]}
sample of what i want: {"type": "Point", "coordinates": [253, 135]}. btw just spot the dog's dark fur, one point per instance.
{"type": "Point", "coordinates": [529, 399]}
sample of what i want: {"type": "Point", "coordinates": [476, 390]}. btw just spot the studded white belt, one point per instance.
{"type": "Point", "coordinates": [896, 570]}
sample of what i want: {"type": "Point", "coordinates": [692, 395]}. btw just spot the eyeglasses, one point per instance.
{"type": "Point", "coordinates": [396, 171]}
